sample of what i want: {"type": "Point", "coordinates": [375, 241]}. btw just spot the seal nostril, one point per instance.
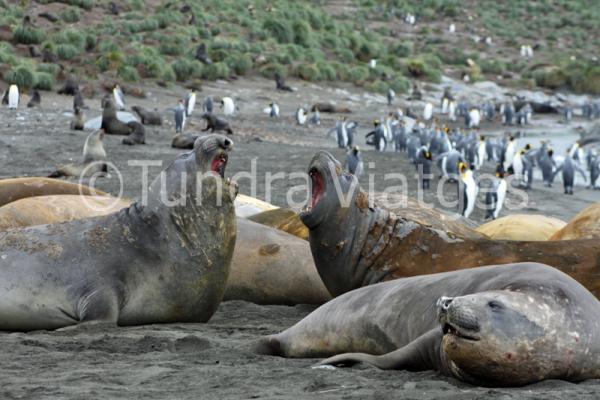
{"type": "Point", "coordinates": [444, 302]}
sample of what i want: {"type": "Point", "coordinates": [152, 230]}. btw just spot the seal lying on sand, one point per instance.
{"type": "Point", "coordinates": [521, 227]}
{"type": "Point", "coordinates": [362, 244]}
{"type": "Point", "coordinates": [167, 261]}
{"type": "Point", "coordinates": [585, 225]}
{"type": "Point", "coordinates": [20, 188]}
{"type": "Point", "coordinates": [268, 266]}
{"type": "Point", "coordinates": [137, 135]}
{"type": "Point", "coordinates": [147, 117]}
{"type": "Point", "coordinates": [42, 210]}
{"type": "Point", "coordinates": [92, 160]}
{"type": "Point", "coordinates": [110, 123]}
{"type": "Point", "coordinates": [272, 267]}
{"type": "Point", "coordinates": [505, 325]}
{"type": "Point", "coordinates": [183, 141]}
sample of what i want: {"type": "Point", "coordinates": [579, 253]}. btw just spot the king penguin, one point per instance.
{"type": "Point", "coordinates": [190, 103]}
{"type": "Point", "coordinates": [228, 105]}
{"type": "Point", "coordinates": [469, 189]}
{"type": "Point", "coordinates": [13, 97]}
{"type": "Point", "coordinates": [354, 162]}
{"type": "Point", "coordinates": [119, 97]}
{"type": "Point", "coordinates": [494, 198]}
{"type": "Point", "coordinates": [301, 116]}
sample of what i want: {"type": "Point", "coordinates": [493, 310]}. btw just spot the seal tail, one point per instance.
{"type": "Point", "coordinates": [56, 174]}
{"type": "Point", "coordinates": [268, 346]}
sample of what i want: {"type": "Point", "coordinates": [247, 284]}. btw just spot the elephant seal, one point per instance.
{"type": "Point", "coordinates": [362, 243]}
{"type": "Point", "coordinates": [272, 267]}
{"type": "Point", "coordinates": [504, 325]}
{"type": "Point", "coordinates": [585, 225]}
{"type": "Point", "coordinates": [282, 219]}
{"type": "Point", "coordinates": [137, 135]}
{"type": "Point", "coordinates": [164, 261]}
{"type": "Point", "coordinates": [19, 188]}
{"type": "Point", "coordinates": [521, 227]}
{"type": "Point", "coordinates": [268, 266]}
{"type": "Point", "coordinates": [147, 117]}
{"type": "Point", "coordinates": [110, 123]}
{"type": "Point", "coordinates": [247, 206]}
{"type": "Point", "coordinates": [92, 161]}
{"type": "Point", "coordinates": [52, 209]}
{"type": "Point", "coordinates": [183, 141]}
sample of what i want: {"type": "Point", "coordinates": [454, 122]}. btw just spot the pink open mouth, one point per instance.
{"type": "Point", "coordinates": [219, 163]}
{"type": "Point", "coordinates": [318, 187]}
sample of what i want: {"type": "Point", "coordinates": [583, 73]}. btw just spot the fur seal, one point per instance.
{"type": "Point", "coordinates": [585, 225]}
{"type": "Point", "coordinates": [184, 141]}
{"type": "Point", "coordinates": [214, 124]}
{"type": "Point", "coordinates": [19, 188]}
{"type": "Point", "coordinates": [69, 88]}
{"type": "Point", "coordinates": [329, 108]}
{"type": "Point", "coordinates": [202, 54]}
{"type": "Point", "coordinates": [138, 134]}
{"type": "Point", "coordinates": [78, 100]}
{"type": "Point", "coordinates": [71, 273]}
{"type": "Point", "coordinates": [91, 162]}
{"type": "Point", "coordinates": [522, 227]}
{"type": "Point", "coordinates": [280, 83]}
{"type": "Point", "coordinates": [35, 99]}
{"type": "Point", "coordinates": [110, 123]}
{"type": "Point", "coordinates": [52, 209]}
{"type": "Point", "coordinates": [504, 325]}
{"type": "Point", "coordinates": [376, 244]}
{"type": "Point", "coordinates": [78, 121]}
{"type": "Point", "coordinates": [147, 117]}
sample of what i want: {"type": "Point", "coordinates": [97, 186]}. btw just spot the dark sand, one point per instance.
{"type": "Point", "coordinates": [211, 360]}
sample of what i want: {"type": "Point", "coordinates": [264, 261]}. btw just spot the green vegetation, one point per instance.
{"type": "Point", "coordinates": [308, 41]}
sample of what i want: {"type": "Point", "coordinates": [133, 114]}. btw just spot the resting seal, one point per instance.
{"type": "Point", "coordinates": [92, 160]}
{"type": "Point", "coordinates": [272, 267]}
{"type": "Point", "coordinates": [282, 219]}
{"type": "Point", "coordinates": [20, 188]}
{"type": "Point", "coordinates": [167, 261]}
{"type": "Point", "coordinates": [137, 135]}
{"type": "Point", "coordinates": [585, 225]}
{"type": "Point", "coordinates": [110, 123]}
{"type": "Point", "coordinates": [184, 141]}
{"type": "Point", "coordinates": [362, 244]}
{"type": "Point", "coordinates": [147, 117]}
{"type": "Point", "coordinates": [505, 325]}
{"type": "Point", "coordinates": [52, 209]}
{"type": "Point", "coordinates": [521, 227]}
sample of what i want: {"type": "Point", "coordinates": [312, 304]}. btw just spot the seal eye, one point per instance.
{"type": "Point", "coordinates": [495, 305]}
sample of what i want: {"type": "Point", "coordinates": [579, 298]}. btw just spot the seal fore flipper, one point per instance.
{"type": "Point", "coordinates": [421, 354]}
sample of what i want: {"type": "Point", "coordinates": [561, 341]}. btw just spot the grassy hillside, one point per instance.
{"type": "Point", "coordinates": [313, 40]}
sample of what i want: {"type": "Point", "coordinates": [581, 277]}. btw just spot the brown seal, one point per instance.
{"type": "Point", "coordinates": [362, 244]}
{"type": "Point", "coordinates": [521, 227]}
{"type": "Point", "coordinates": [19, 188]}
{"type": "Point", "coordinates": [53, 209]}
{"type": "Point", "coordinates": [585, 225]}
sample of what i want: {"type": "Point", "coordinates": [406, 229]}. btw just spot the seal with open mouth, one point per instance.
{"type": "Point", "coordinates": [163, 260]}
{"type": "Point", "coordinates": [355, 243]}
{"type": "Point", "coordinates": [506, 325]}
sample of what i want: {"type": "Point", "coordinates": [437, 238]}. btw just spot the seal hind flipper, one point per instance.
{"type": "Point", "coordinates": [421, 354]}
{"type": "Point", "coordinates": [269, 346]}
